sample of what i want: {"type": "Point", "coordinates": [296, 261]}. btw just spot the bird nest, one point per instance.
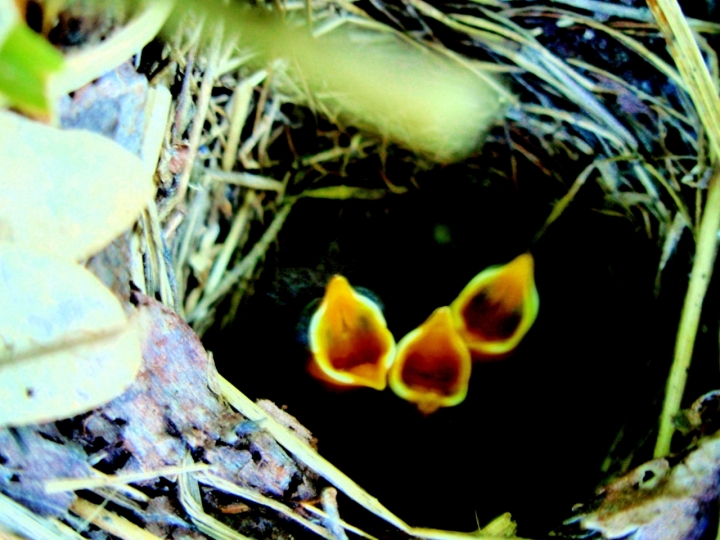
{"type": "Point", "coordinates": [599, 161]}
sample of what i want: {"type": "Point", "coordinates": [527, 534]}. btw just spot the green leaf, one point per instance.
{"type": "Point", "coordinates": [26, 63]}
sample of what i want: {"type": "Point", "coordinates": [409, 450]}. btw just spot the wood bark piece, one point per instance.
{"type": "Point", "coordinates": [170, 408]}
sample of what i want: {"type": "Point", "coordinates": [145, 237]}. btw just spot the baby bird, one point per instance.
{"type": "Point", "coordinates": [497, 308]}
{"type": "Point", "coordinates": [432, 365]}
{"type": "Point", "coordinates": [348, 338]}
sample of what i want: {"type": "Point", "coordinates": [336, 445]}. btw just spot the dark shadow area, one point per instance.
{"type": "Point", "coordinates": [535, 428]}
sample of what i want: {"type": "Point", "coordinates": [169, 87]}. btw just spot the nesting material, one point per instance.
{"type": "Point", "coordinates": [497, 308]}
{"type": "Point", "coordinates": [349, 340]}
{"type": "Point", "coordinates": [426, 102]}
{"type": "Point", "coordinates": [432, 365]}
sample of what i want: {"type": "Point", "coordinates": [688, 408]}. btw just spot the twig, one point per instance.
{"type": "Point", "coordinates": [110, 522]}
{"type": "Point", "coordinates": [203, 105]}
{"type": "Point", "coordinates": [245, 266]}
{"type": "Point", "coordinates": [18, 519]}
{"type": "Point", "coordinates": [189, 495]}
{"type": "Point", "coordinates": [307, 455]}
{"type": "Point", "coordinates": [253, 496]}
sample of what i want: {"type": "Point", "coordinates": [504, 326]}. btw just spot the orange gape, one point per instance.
{"type": "Point", "coordinates": [432, 365]}
{"type": "Point", "coordinates": [350, 344]}
{"type": "Point", "coordinates": [497, 308]}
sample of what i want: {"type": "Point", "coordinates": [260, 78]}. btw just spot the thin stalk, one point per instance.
{"type": "Point", "coordinates": [687, 56]}
{"type": "Point", "coordinates": [690, 317]}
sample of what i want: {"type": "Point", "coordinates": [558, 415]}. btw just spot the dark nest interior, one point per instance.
{"type": "Point", "coordinates": [599, 167]}
{"type": "Point", "coordinates": [548, 416]}
{"type": "Point", "coordinates": [578, 401]}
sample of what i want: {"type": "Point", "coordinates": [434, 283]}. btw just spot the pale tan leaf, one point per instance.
{"type": "Point", "coordinates": [66, 345]}
{"type": "Point", "coordinates": [91, 62]}
{"type": "Point", "coordinates": [67, 192]}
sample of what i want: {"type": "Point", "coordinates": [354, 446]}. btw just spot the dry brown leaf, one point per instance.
{"type": "Point", "coordinates": [66, 345]}
{"type": "Point", "coordinates": [660, 501]}
{"type": "Point", "coordinates": [67, 192]}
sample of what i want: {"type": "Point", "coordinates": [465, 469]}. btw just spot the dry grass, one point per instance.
{"type": "Point", "coordinates": [226, 119]}
{"type": "Point", "coordinates": [569, 116]}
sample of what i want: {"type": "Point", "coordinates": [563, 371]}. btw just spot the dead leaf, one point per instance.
{"type": "Point", "coordinates": [658, 501]}
{"type": "Point", "coordinates": [67, 192]}
{"type": "Point", "coordinates": [66, 345]}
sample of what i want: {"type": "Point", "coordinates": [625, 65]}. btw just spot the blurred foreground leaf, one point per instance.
{"type": "Point", "coordinates": [66, 345]}
{"type": "Point", "coordinates": [67, 192]}
{"type": "Point", "coordinates": [427, 100]}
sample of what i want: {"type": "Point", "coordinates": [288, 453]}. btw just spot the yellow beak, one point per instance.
{"type": "Point", "coordinates": [349, 340]}
{"type": "Point", "coordinates": [432, 365]}
{"type": "Point", "coordinates": [497, 308]}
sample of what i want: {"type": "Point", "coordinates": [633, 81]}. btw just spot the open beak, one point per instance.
{"type": "Point", "coordinates": [349, 340]}
{"type": "Point", "coordinates": [497, 308]}
{"type": "Point", "coordinates": [432, 365]}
